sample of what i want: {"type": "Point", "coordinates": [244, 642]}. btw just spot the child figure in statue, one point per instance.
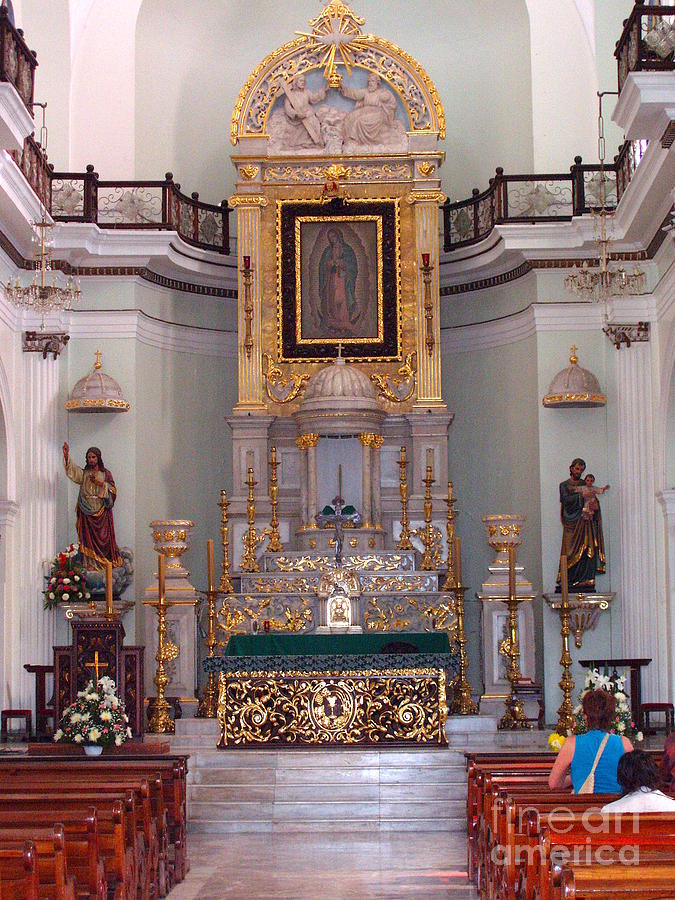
{"type": "Point", "coordinates": [590, 494]}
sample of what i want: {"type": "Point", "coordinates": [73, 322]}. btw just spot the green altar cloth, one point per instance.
{"type": "Point", "coordinates": [435, 642]}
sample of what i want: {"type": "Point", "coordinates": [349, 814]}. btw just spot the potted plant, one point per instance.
{"type": "Point", "coordinates": [95, 720]}
{"type": "Point", "coordinates": [65, 582]}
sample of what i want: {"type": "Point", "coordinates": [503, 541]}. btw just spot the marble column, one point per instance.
{"type": "Point", "coordinates": [377, 442]}
{"type": "Point", "coordinates": [249, 210]}
{"type": "Point", "coordinates": [42, 460]}
{"type": "Point", "coordinates": [643, 610]}
{"type": "Point", "coordinates": [365, 440]}
{"type": "Point", "coordinates": [312, 500]}
{"type": "Point", "coordinates": [304, 504]}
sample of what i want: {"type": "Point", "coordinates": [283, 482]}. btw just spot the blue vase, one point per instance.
{"type": "Point", "coordinates": [93, 749]}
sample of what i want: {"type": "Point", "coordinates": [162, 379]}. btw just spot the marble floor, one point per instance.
{"type": "Point", "coordinates": [320, 866]}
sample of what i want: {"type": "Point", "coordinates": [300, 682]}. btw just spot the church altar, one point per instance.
{"type": "Point", "coordinates": [333, 690]}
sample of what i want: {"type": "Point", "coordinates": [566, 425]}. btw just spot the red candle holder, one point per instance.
{"type": "Point", "coordinates": [266, 626]}
{"type": "Point", "coordinates": [247, 262]}
{"type": "Point", "coordinates": [425, 259]}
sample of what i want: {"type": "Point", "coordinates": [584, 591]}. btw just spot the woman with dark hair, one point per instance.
{"type": "Point", "coordinates": [95, 527]}
{"type": "Point", "coordinates": [639, 779]}
{"type": "Point", "coordinates": [596, 753]}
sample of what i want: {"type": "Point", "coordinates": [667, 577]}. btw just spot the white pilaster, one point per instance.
{"type": "Point", "coordinates": [311, 479]}
{"type": "Point", "coordinates": [667, 500]}
{"type": "Point", "coordinates": [643, 607]}
{"type": "Point", "coordinates": [37, 524]}
{"type": "Point", "coordinates": [365, 479]}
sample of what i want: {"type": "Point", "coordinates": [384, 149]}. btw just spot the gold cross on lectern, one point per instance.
{"type": "Point", "coordinates": [96, 665]}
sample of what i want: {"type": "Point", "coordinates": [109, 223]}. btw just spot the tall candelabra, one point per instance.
{"type": "Point", "coordinates": [451, 581]}
{"type": "Point", "coordinates": [462, 702]}
{"type": "Point", "coordinates": [247, 276]}
{"type": "Point", "coordinates": [160, 720]}
{"type": "Point", "coordinates": [225, 582]}
{"type": "Point", "coordinates": [427, 270]}
{"type": "Point", "coordinates": [252, 538]}
{"type": "Point", "coordinates": [514, 715]}
{"type": "Point", "coordinates": [427, 534]}
{"type": "Point", "coordinates": [404, 542]}
{"type": "Point", "coordinates": [208, 702]}
{"type": "Point", "coordinates": [565, 711]}
{"type": "Point", "coordinates": [274, 544]}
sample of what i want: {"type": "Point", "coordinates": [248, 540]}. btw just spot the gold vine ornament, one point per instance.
{"type": "Point", "coordinates": [278, 388]}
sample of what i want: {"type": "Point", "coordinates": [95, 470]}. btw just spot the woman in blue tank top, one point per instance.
{"type": "Point", "coordinates": [577, 755]}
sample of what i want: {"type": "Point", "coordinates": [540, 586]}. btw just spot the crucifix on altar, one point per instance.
{"type": "Point", "coordinates": [342, 515]}
{"type": "Point", "coordinates": [96, 665]}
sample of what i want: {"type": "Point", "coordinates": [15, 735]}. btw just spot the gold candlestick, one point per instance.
{"type": "Point", "coordinates": [274, 544]}
{"type": "Point", "coordinates": [225, 582]}
{"type": "Point", "coordinates": [426, 269]}
{"type": "Point", "coordinates": [451, 579]}
{"type": "Point", "coordinates": [208, 702]}
{"type": "Point", "coordinates": [514, 716]}
{"type": "Point", "coordinates": [160, 721]}
{"type": "Point", "coordinates": [404, 542]}
{"type": "Point", "coordinates": [566, 720]}
{"type": "Point", "coordinates": [427, 533]}
{"type": "Point", "coordinates": [252, 539]}
{"type": "Point", "coordinates": [462, 702]}
{"type": "Point", "coordinates": [247, 276]}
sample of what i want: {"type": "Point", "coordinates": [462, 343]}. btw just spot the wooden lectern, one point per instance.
{"type": "Point", "coordinates": [97, 650]}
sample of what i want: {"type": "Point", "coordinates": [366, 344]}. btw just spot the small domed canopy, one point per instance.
{"type": "Point", "coordinates": [97, 392]}
{"type": "Point", "coordinates": [339, 381]}
{"type": "Point", "coordinates": [339, 399]}
{"type": "Point", "coordinates": [574, 387]}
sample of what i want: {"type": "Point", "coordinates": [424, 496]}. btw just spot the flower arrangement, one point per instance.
{"type": "Point", "coordinates": [96, 717]}
{"type": "Point", "coordinates": [614, 684]}
{"type": "Point", "coordinates": [66, 580]}
{"type": "Point", "coordinates": [555, 741]}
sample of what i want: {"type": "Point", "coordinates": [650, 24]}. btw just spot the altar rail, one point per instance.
{"type": "Point", "coordinates": [17, 60]}
{"type": "Point", "coordinates": [645, 43]}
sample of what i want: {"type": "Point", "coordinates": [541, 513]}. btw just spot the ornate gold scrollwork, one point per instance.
{"type": "Point", "coordinates": [377, 619]}
{"type": "Point", "coordinates": [396, 705]}
{"type": "Point", "coordinates": [250, 171]}
{"type": "Point", "coordinates": [425, 169]}
{"type": "Point", "coordinates": [278, 388]}
{"type": "Point", "coordinates": [398, 388]}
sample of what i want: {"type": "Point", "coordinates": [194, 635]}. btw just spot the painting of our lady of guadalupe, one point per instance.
{"type": "Point", "coordinates": [340, 291]}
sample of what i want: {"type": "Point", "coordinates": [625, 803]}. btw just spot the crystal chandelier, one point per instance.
{"type": "Point", "coordinates": [43, 295]}
{"type": "Point", "coordinates": [598, 284]}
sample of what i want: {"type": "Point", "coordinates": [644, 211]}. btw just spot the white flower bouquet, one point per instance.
{"type": "Point", "coordinates": [615, 684]}
{"type": "Point", "coordinates": [66, 580]}
{"type": "Point", "coordinates": [96, 717]}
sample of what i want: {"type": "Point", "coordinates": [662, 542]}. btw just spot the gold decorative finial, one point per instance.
{"type": "Point", "coordinates": [97, 364]}
{"type": "Point", "coordinates": [336, 31]}
{"type": "Point", "coordinates": [574, 359]}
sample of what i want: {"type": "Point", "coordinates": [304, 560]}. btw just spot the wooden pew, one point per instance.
{"type": "Point", "coordinates": [140, 810]}
{"type": "Point", "coordinates": [82, 844]}
{"type": "Point", "coordinates": [50, 849]}
{"type": "Point", "coordinates": [18, 873]}
{"type": "Point", "coordinates": [651, 835]}
{"type": "Point", "coordinates": [173, 771]}
{"type": "Point", "coordinates": [117, 834]}
{"type": "Point", "coordinates": [653, 881]}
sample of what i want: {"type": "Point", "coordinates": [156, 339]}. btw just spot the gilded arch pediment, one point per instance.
{"type": "Point", "coordinates": [335, 56]}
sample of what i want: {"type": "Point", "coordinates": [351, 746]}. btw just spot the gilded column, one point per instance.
{"type": "Point", "coordinates": [426, 205]}
{"type": "Point", "coordinates": [366, 440]}
{"type": "Point", "coordinates": [312, 499]}
{"type": "Point", "coordinates": [249, 211]}
{"type": "Point", "coordinates": [377, 442]}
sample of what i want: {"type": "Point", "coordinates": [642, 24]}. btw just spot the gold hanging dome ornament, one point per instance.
{"type": "Point", "coordinates": [97, 392]}
{"type": "Point", "coordinates": [574, 387]}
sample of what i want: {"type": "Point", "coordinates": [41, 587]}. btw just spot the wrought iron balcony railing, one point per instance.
{"type": "Point", "coordinates": [17, 60]}
{"type": "Point", "coordinates": [647, 41]}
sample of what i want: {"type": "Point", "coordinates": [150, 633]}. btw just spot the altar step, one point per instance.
{"type": "Point", "coordinates": [320, 789]}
